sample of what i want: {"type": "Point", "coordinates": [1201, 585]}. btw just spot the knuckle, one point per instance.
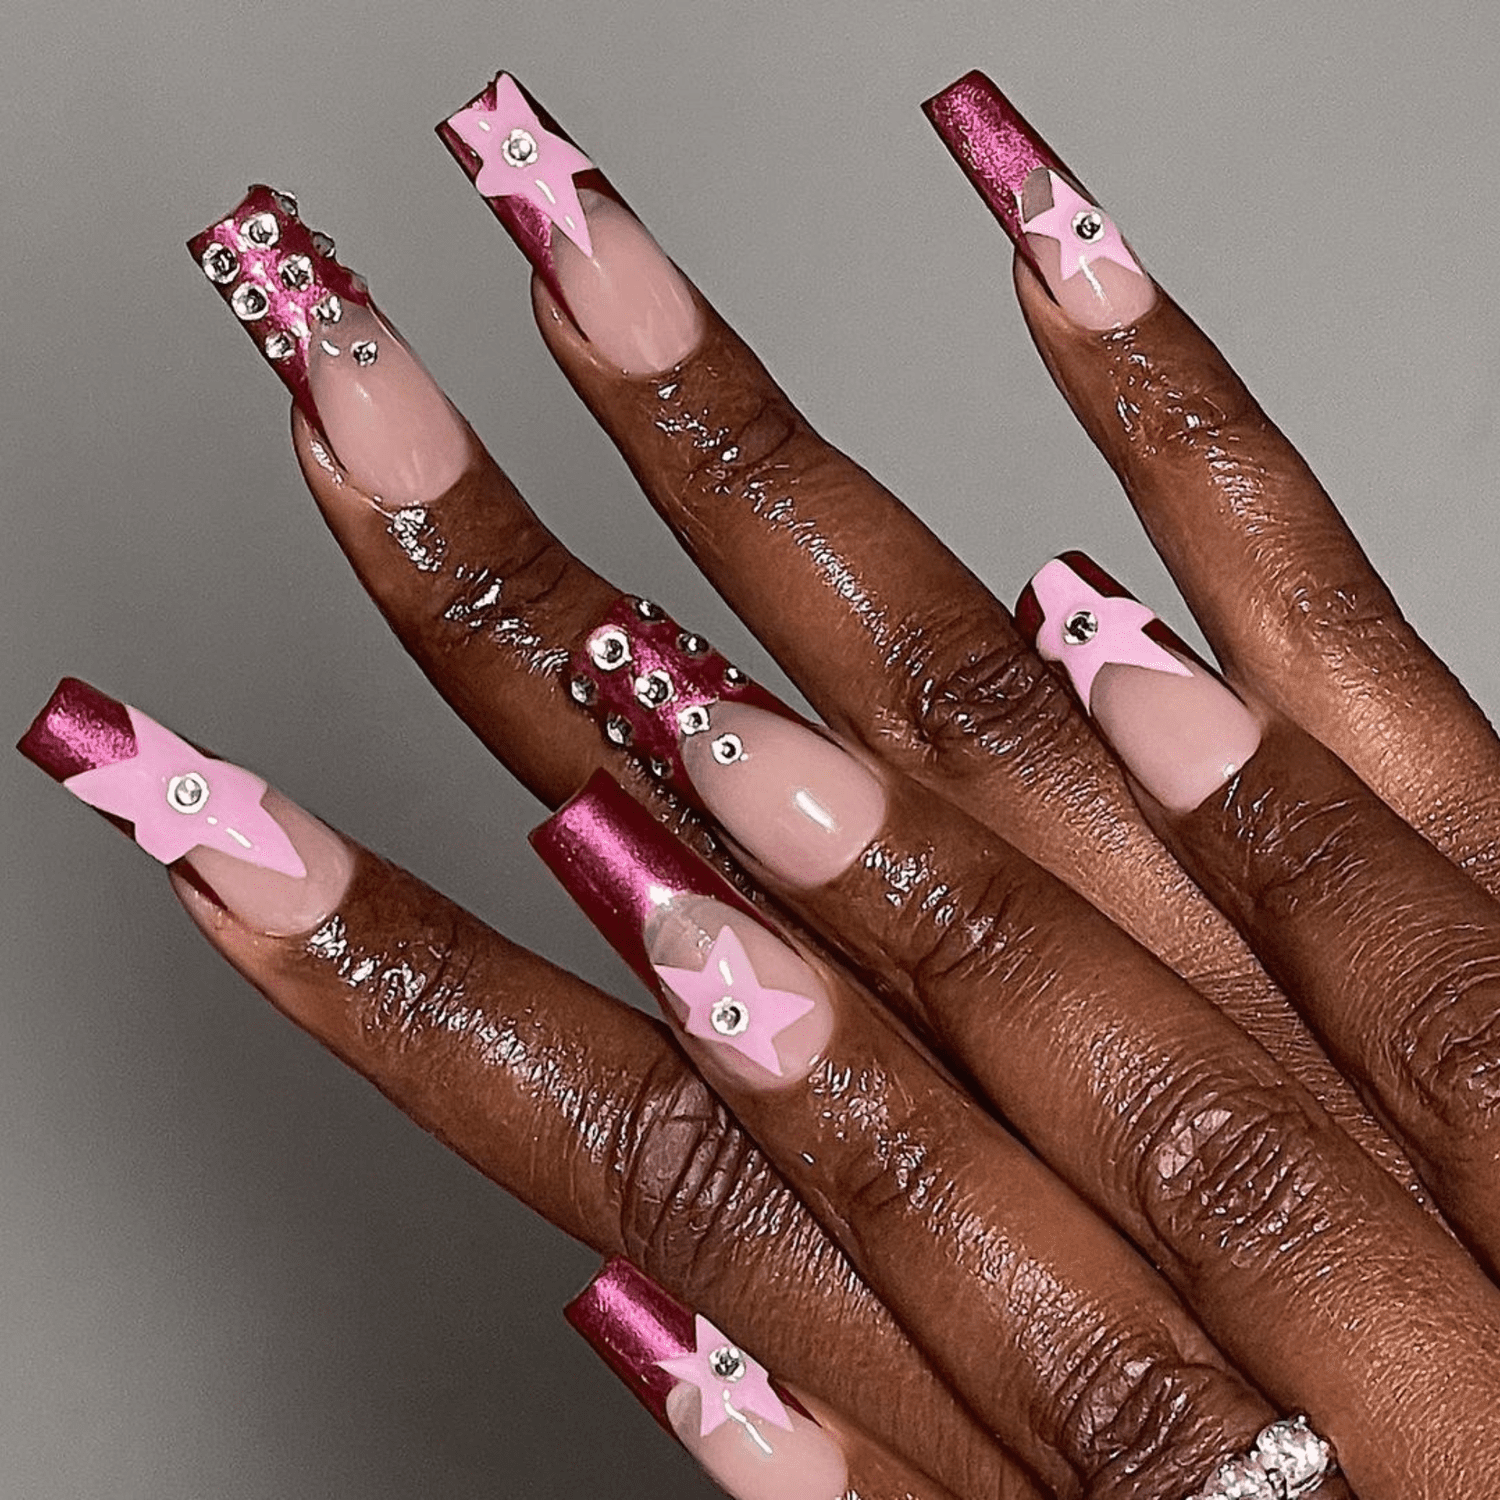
{"type": "Point", "coordinates": [972, 686]}
{"type": "Point", "coordinates": [1338, 606]}
{"type": "Point", "coordinates": [1227, 1166]}
{"type": "Point", "coordinates": [507, 602]}
{"type": "Point", "coordinates": [688, 1175]}
{"type": "Point", "coordinates": [1170, 399]}
{"type": "Point", "coordinates": [1138, 1420]}
{"type": "Point", "coordinates": [1447, 1046]}
{"type": "Point", "coordinates": [741, 452]}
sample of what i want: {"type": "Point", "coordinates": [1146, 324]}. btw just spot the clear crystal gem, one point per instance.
{"type": "Point", "coordinates": [249, 302]}
{"type": "Point", "coordinates": [280, 346]}
{"type": "Point", "coordinates": [582, 690]}
{"type": "Point", "coordinates": [728, 748]}
{"type": "Point", "coordinates": [617, 731]}
{"type": "Point", "coordinates": [610, 648]}
{"type": "Point", "coordinates": [693, 720]}
{"type": "Point", "coordinates": [1241, 1479]}
{"type": "Point", "coordinates": [286, 203]}
{"type": "Point", "coordinates": [692, 645]}
{"type": "Point", "coordinates": [1295, 1453]}
{"type": "Point", "coordinates": [727, 1362]}
{"type": "Point", "coordinates": [734, 677]}
{"type": "Point", "coordinates": [261, 230]}
{"type": "Point", "coordinates": [364, 351]}
{"type": "Point", "coordinates": [187, 793]}
{"type": "Point", "coordinates": [329, 310]}
{"type": "Point", "coordinates": [220, 264]}
{"type": "Point", "coordinates": [296, 273]}
{"type": "Point", "coordinates": [648, 610]}
{"type": "Point", "coordinates": [1080, 627]}
{"type": "Point", "coordinates": [658, 767]}
{"type": "Point", "coordinates": [654, 689]}
{"type": "Point", "coordinates": [519, 148]}
{"type": "Point", "coordinates": [1088, 225]}
{"type": "Point", "coordinates": [323, 243]}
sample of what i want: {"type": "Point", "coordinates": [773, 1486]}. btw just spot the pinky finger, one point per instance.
{"type": "Point", "coordinates": [756, 1439]}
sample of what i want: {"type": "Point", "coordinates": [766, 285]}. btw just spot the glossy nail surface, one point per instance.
{"type": "Point", "coordinates": [591, 252]}
{"type": "Point", "coordinates": [786, 793]}
{"type": "Point", "coordinates": [275, 867]}
{"type": "Point", "coordinates": [1177, 727]}
{"type": "Point", "coordinates": [386, 422]}
{"type": "Point", "coordinates": [1066, 237]}
{"type": "Point", "coordinates": [752, 1438]}
{"type": "Point", "coordinates": [749, 1003]}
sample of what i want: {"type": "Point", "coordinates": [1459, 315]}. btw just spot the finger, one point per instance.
{"type": "Point", "coordinates": [1151, 1103]}
{"type": "Point", "coordinates": [895, 642]}
{"type": "Point", "coordinates": [575, 1103]}
{"type": "Point", "coordinates": [1392, 953]}
{"type": "Point", "coordinates": [982, 1254]}
{"type": "Point", "coordinates": [1288, 600]}
{"type": "Point", "coordinates": [758, 1440]}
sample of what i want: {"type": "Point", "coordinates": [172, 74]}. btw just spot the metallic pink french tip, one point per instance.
{"type": "Point", "coordinates": [622, 867]}
{"type": "Point", "coordinates": [524, 165]}
{"type": "Point", "coordinates": [650, 685]}
{"type": "Point", "coordinates": [1168, 715]}
{"type": "Point", "coordinates": [1065, 237]}
{"type": "Point", "coordinates": [124, 764]}
{"type": "Point", "coordinates": [280, 279]}
{"type": "Point", "coordinates": [633, 1324]}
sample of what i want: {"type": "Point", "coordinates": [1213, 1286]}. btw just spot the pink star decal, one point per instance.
{"type": "Point", "coordinates": [178, 799]}
{"type": "Point", "coordinates": [733, 1386]}
{"type": "Point", "coordinates": [1062, 223]}
{"type": "Point", "coordinates": [521, 158]}
{"type": "Point", "coordinates": [1085, 630]}
{"type": "Point", "coordinates": [727, 1003]}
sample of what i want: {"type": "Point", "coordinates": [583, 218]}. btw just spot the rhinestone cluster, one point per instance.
{"type": "Point", "coordinates": [651, 685]}
{"type": "Point", "coordinates": [1289, 1460]}
{"type": "Point", "coordinates": [281, 280]}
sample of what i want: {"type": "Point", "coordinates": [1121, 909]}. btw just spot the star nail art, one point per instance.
{"type": "Point", "coordinates": [727, 1003]}
{"type": "Point", "coordinates": [1083, 231]}
{"type": "Point", "coordinates": [280, 279]}
{"type": "Point", "coordinates": [178, 799]}
{"type": "Point", "coordinates": [1084, 630]}
{"type": "Point", "coordinates": [520, 158]}
{"type": "Point", "coordinates": [733, 1386]}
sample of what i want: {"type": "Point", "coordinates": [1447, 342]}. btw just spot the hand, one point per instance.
{"type": "Point", "coordinates": [965, 764]}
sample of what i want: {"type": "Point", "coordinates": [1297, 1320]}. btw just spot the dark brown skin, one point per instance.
{"type": "Point", "coordinates": [1244, 1051]}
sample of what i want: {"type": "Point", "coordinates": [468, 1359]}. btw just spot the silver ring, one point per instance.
{"type": "Point", "coordinates": [1287, 1460]}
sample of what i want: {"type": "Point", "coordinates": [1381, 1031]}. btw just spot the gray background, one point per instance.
{"type": "Point", "coordinates": [227, 1268]}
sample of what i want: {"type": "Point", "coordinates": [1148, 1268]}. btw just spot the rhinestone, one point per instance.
{"type": "Point", "coordinates": [1080, 627]}
{"type": "Point", "coordinates": [1088, 225]}
{"type": "Point", "coordinates": [617, 731]}
{"type": "Point", "coordinates": [329, 310]}
{"type": "Point", "coordinates": [261, 230]}
{"type": "Point", "coordinates": [364, 351]}
{"type": "Point", "coordinates": [286, 203]}
{"type": "Point", "coordinates": [249, 302]}
{"type": "Point", "coordinates": [582, 690]}
{"type": "Point", "coordinates": [610, 648]}
{"type": "Point", "coordinates": [727, 1362]}
{"type": "Point", "coordinates": [692, 645]}
{"type": "Point", "coordinates": [296, 273]}
{"type": "Point", "coordinates": [728, 748]}
{"type": "Point", "coordinates": [187, 793]}
{"type": "Point", "coordinates": [280, 346]}
{"type": "Point", "coordinates": [654, 689]}
{"type": "Point", "coordinates": [1294, 1453]}
{"type": "Point", "coordinates": [519, 148]}
{"type": "Point", "coordinates": [323, 243]}
{"type": "Point", "coordinates": [734, 677]}
{"type": "Point", "coordinates": [648, 610]}
{"type": "Point", "coordinates": [220, 264]}
{"type": "Point", "coordinates": [693, 720]}
{"type": "Point", "coordinates": [658, 767]}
